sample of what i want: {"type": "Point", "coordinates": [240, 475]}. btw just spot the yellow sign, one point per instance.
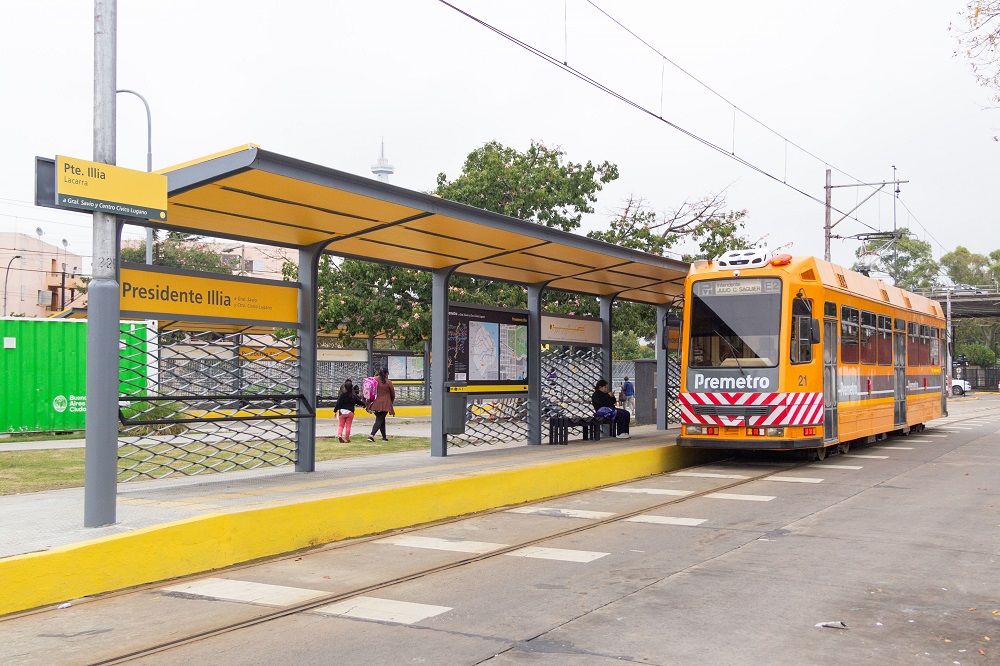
{"type": "Point", "coordinates": [158, 295]}
{"type": "Point", "coordinates": [489, 388]}
{"type": "Point", "coordinates": [105, 188]}
{"type": "Point", "coordinates": [268, 353]}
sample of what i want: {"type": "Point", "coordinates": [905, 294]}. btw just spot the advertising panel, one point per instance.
{"type": "Point", "coordinates": [486, 345]}
{"type": "Point", "coordinates": [565, 330]}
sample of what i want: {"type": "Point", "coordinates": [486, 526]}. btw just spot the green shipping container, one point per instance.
{"type": "Point", "coordinates": [43, 372]}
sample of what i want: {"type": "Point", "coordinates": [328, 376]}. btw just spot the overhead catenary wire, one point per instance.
{"type": "Point", "coordinates": [630, 102]}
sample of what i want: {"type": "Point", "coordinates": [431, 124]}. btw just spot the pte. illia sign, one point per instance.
{"type": "Point", "coordinates": [105, 188]}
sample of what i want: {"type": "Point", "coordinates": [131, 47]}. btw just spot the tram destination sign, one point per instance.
{"type": "Point", "coordinates": [738, 287]}
{"type": "Point", "coordinates": [105, 188]}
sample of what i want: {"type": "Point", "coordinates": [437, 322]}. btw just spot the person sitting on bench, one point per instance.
{"type": "Point", "coordinates": [604, 405]}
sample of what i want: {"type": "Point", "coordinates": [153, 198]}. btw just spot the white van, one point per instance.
{"type": "Point", "coordinates": [960, 386]}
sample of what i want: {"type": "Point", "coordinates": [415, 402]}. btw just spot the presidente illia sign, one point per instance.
{"type": "Point", "coordinates": [105, 188]}
{"type": "Point", "coordinates": [158, 293]}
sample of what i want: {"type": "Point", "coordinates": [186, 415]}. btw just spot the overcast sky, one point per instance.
{"type": "Point", "coordinates": [862, 86]}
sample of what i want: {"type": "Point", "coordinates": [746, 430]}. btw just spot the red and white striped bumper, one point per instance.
{"type": "Point", "coordinates": [752, 409]}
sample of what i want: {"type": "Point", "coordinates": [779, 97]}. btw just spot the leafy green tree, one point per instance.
{"type": "Point", "coordinates": [906, 261]}
{"type": "Point", "coordinates": [537, 185]}
{"type": "Point", "coordinates": [977, 354]}
{"type": "Point", "coordinates": [179, 253]}
{"type": "Point", "coordinates": [625, 345]}
{"type": "Point", "coordinates": [965, 267]}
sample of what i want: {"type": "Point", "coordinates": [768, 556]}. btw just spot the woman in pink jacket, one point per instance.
{"type": "Point", "coordinates": [381, 406]}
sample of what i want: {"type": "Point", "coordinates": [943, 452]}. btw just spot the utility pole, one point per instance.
{"type": "Point", "coordinates": [829, 206]}
{"type": "Point", "coordinates": [103, 305]}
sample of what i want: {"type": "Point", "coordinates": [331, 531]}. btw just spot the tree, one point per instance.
{"type": "Point", "coordinates": [965, 267]}
{"type": "Point", "coordinates": [537, 185]}
{"type": "Point", "coordinates": [704, 222]}
{"type": "Point", "coordinates": [179, 253]}
{"type": "Point", "coordinates": [978, 41]}
{"type": "Point", "coordinates": [625, 346]}
{"type": "Point", "coordinates": [977, 354]}
{"type": "Point", "coordinates": [906, 261]}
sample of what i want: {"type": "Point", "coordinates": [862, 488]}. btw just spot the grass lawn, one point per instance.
{"type": "Point", "coordinates": [32, 471]}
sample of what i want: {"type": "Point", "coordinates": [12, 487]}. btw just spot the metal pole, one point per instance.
{"type": "Point", "coordinates": [895, 241]}
{"type": "Point", "coordinates": [149, 165]}
{"type": "Point", "coordinates": [439, 359]}
{"type": "Point", "coordinates": [101, 453]}
{"type": "Point", "coordinates": [826, 228]}
{"type": "Point", "coordinates": [662, 369]}
{"type": "Point", "coordinates": [535, 378]}
{"type": "Point", "coordinates": [305, 449]}
{"type": "Point", "coordinates": [5, 278]}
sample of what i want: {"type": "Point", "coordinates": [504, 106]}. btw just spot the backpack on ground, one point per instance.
{"type": "Point", "coordinates": [369, 387]}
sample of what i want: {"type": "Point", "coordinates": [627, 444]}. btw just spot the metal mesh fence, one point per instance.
{"type": "Point", "coordinates": [570, 374]}
{"type": "Point", "coordinates": [191, 403]}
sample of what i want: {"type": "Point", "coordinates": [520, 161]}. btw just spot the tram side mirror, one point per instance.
{"type": "Point", "coordinates": [814, 331]}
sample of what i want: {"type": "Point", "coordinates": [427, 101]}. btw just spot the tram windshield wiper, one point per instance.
{"type": "Point", "coordinates": [736, 355]}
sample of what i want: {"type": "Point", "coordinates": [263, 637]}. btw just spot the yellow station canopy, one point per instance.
{"type": "Point", "coordinates": [251, 195]}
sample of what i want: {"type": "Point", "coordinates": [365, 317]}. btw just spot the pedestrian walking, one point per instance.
{"type": "Point", "coordinates": [381, 406]}
{"type": "Point", "coordinates": [628, 392]}
{"type": "Point", "coordinates": [344, 409]}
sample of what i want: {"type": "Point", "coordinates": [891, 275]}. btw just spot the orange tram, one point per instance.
{"type": "Point", "coordinates": [796, 353]}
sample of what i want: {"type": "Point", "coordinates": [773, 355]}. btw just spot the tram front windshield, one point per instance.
{"type": "Point", "coordinates": [735, 323]}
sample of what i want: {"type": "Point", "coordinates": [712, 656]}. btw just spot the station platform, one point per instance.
{"type": "Point", "coordinates": [181, 526]}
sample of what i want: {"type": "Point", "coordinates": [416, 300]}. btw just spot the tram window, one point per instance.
{"type": "Point", "coordinates": [884, 340]}
{"type": "Point", "coordinates": [912, 344]}
{"type": "Point", "coordinates": [900, 325]}
{"type": "Point", "coordinates": [848, 335]}
{"type": "Point", "coordinates": [800, 350]}
{"type": "Point", "coordinates": [935, 346]}
{"type": "Point", "coordinates": [925, 344]}
{"type": "Point", "coordinates": [869, 352]}
{"type": "Point", "coordinates": [830, 310]}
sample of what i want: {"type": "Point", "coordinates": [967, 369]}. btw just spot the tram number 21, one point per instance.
{"type": "Point", "coordinates": [803, 380]}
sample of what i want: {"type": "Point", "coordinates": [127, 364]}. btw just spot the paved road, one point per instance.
{"type": "Point", "coordinates": [898, 542]}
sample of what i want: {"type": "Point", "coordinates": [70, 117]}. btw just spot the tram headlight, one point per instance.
{"type": "Point", "coordinates": [694, 430]}
{"type": "Point", "coordinates": [775, 432]}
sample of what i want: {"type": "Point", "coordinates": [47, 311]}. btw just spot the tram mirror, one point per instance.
{"type": "Point", "coordinates": [814, 333]}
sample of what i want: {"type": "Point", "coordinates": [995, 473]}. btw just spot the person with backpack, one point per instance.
{"type": "Point", "coordinates": [381, 404]}
{"type": "Point", "coordinates": [627, 398]}
{"type": "Point", "coordinates": [344, 409]}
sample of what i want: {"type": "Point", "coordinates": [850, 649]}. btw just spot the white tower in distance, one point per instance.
{"type": "Point", "coordinates": [382, 169]}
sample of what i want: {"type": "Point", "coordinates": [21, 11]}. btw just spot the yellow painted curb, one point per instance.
{"type": "Point", "coordinates": [218, 540]}
{"type": "Point", "coordinates": [415, 410]}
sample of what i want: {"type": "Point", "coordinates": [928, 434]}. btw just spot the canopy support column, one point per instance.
{"type": "Point", "coordinates": [606, 302]}
{"type": "Point", "coordinates": [305, 433]}
{"type": "Point", "coordinates": [439, 359]}
{"type": "Point", "coordinates": [534, 433]}
{"type": "Point", "coordinates": [662, 359]}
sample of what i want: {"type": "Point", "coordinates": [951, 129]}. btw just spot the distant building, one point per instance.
{"type": "Point", "coordinates": [382, 169]}
{"type": "Point", "coordinates": [43, 281]}
{"type": "Point", "coordinates": [262, 261]}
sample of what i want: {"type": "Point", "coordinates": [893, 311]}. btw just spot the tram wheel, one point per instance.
{"type": "Point", "coordinates": [844, 447]}
{"type": "Point", "coordinates": [817, 453]}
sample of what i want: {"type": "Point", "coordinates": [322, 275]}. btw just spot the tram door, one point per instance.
{"type": "Point", "coordinates": [830, 330]}
{"type": "Point", "coordinates": [899, 365]}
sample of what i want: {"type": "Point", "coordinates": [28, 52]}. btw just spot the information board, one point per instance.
{"type": "Point", "coordinates": [487, 345]}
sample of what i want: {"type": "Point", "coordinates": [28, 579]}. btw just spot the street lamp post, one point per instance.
{"type": "Point", "coordinates": [7, 275]}
{"type": "Point", "coordinates": [149, 165]}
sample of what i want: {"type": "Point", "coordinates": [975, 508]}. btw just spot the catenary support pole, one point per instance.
{"type": "Point", "coordinates": [535, 378]}
{"type": "Point", "coordinates": [662, 359]}
{"type": "Point", "coordinates": [103, 305]}
{"type": "Point", "coordinates": [439, 359]}
{"type": "Point", "coordinates": [305, 433]}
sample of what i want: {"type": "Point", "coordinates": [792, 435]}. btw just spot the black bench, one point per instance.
{"type": "Point", "coordinates": [559, 427]}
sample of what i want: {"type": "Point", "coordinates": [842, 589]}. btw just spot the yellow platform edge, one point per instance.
{"type": "Point", "coordinates": [415, 410]}
{"type": "Point", "coordinates": [213, 541]}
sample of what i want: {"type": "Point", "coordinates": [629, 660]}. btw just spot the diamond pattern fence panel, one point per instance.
{"type": "Point", "coordinates": [570, 375]}
{"type": "Point", "coordinates": [206, 402]}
